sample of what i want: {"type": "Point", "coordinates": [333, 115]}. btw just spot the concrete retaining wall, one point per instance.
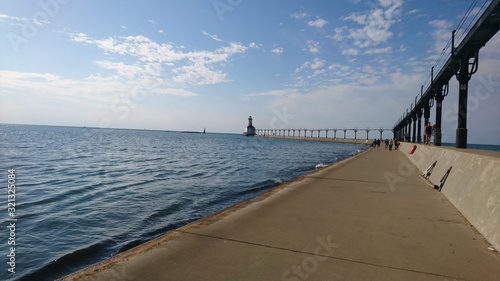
{"type": "Point", "coordinates": [473, 185]}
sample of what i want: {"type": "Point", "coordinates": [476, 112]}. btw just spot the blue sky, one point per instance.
{"type": "Point", "coordinates": [190, 64]}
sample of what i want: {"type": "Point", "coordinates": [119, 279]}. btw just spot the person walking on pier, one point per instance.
{"type": "Point", "coordinates": [428, 132]}
{"type": "Point", "coordinates": [390, 145]}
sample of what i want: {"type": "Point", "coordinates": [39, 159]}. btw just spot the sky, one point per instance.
{"type": "Point", "coordinates": [194, 64]}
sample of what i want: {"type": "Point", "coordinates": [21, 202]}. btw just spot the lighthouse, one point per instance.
{"type": "Point", "coordinates": [250, 129]}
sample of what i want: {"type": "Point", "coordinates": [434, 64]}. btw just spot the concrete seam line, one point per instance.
{"type": "Point", "coordinates": [250, 243]}
{"type": "Point", "coordinates": [313, 254]}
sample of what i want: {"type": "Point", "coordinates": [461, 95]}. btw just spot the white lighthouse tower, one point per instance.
{"type": "Point", "coordinates": [250, 129]}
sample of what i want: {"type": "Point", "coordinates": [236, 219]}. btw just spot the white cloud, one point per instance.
{"type": "Point", "coordinates": [213, 36]}
{"type": "Point", "coordinates": [441, 34]}
{"type": "Point", "coordinates": [298, 15]}
{"type": "Point", "coordinates": [273, 93]}
{"type": "Point", "coordinates": [317, 23]}
{"type": "Point", "coordinates": [386, 50]}
{"type": "Point", "coordinates": [53, 86]}
{"type": "Point", "coordinates": [174, 92]}
{"type": "Point", "coordinates": [317, 63]}
{"type": "Point", "coordinates": [318, 72]}
{"type": "Point", "coordinates": [183, 67]}
{"type": "Point", "coordinates": [328, 106]}
{"type": "Point", "coordinates": [313, 46]}
{"type": "Point", "coordinates": [440, 25]}
{"type": "Point", "coordinates": [303, 74]}
{"type": "Point", "coordinates": [386, 3]}
{"type": "Point", "coordinates": [199, 74]}
{"type": "Point", "coordinates": [375, 24]}
{"type": "Point", "coordinates": [350, 52]}
{"type": "Point", "coordinates": [93, 88]}
{"type": "Point", "coordinates": [21, 21]}
{"type": "Point", "coordinates": [303, 66]}
{"type": "Point", "coordinates": [254, 45]}
{"type": "Point", "coordinates": [311, 65]}
{"type": "Point", "coordinates": [136, 64]}
{"type": "Point", "coordinates": [132, 71]}
{"type": "Point", "coordinates": [277, 50]}
{"type": "Point", "coordinates": [340, 33]}
{"type": "Point", "coordinates": [411, 12]}
{"type": "Point", "coordinates": [5, 17]}
{"type": "Point", "coordinates": [339, 67]}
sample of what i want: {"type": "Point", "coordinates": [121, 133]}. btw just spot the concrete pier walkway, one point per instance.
{"type": "Point", "coordinates": [345, 222]}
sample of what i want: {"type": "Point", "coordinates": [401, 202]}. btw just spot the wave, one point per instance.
{"type": "Point", "coordinates": [320, 166]}
{"type": "Point", "coordinates": [259, 187]}
{"type": "Point", "coordinates": [162, 213]}
{"type": "Point", "coordinates": [51, 198]}
{"type": "Point", "coordinates": [72, 261]}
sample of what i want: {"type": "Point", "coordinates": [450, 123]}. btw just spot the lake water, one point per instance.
{"type": "Point", "coordinates": [84, 194]}
{"type": "Point", "coordinates": [490, 147]}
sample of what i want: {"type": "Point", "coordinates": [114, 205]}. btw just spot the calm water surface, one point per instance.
{"type": "Point", "coordinates": [83, 194]}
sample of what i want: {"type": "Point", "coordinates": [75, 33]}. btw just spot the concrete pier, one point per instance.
{"type": "Point", "coordinates": [350, 221]}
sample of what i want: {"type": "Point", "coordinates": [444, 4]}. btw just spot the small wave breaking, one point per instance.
{"type": "Point", "coordinates": [320, 166]}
